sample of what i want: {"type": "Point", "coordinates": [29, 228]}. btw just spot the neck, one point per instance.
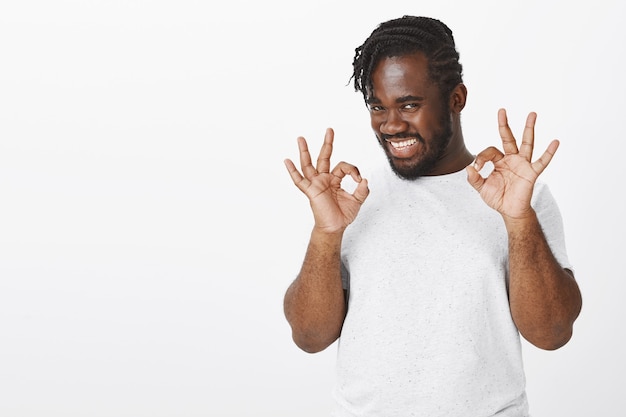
{"type": "Point", "coordinates": [456, 156]}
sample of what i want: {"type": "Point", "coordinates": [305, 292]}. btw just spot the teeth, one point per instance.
{"type": "Point", "coordinates": [404, 143]}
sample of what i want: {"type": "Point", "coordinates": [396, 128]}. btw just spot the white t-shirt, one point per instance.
{"type": "Point", "coordinates": [429, 331]}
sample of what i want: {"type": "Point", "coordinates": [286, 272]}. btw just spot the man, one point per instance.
{"type": "Point", "coordinates": [429, 281]}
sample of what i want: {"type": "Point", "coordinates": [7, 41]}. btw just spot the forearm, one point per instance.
{"type": "Point", "coordinates": [314, 303]}
{"type": "Point", "coordinates": [544, 298]}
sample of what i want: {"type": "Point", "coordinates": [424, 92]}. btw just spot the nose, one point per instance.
{"type": "Point", "coordinates": [393, 123]}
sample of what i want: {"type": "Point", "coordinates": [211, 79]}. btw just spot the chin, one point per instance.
{"type": "Point", "coordinates": [410, 172]}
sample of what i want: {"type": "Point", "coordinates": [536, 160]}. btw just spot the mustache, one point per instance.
{"type": "Point", "coordinates": [401, 136]}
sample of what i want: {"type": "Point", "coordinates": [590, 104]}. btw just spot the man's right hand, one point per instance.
{"type": "Point", "coordinates": [333, 207]}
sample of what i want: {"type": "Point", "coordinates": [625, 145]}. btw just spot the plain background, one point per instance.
{"type": "Point", "coordinates": [149, 229]}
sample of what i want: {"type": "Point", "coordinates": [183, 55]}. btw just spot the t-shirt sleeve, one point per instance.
{"type": "Point", "coordinates": [345, 277]}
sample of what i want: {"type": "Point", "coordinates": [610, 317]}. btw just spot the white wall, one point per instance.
{"type": "Point", "coordinates": [148, 228]}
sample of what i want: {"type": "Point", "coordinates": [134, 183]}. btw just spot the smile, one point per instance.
{"type": "Point", "coordinates": [403, 144]}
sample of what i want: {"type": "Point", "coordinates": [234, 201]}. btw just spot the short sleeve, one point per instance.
{"type": "Point", "coordinates": [345, 277]}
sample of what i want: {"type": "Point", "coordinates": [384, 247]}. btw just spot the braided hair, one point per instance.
{"type": "Point", "coordinates": [407, 35]}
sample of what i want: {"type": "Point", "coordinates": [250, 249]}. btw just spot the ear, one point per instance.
{"type": "Point", "coordinates": [458, 98]}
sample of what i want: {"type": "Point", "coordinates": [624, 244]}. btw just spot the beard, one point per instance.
{"type": "Point", "coordinates": [424, 163]}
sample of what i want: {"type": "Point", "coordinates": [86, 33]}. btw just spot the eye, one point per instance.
{"type": "Point", "coordinates": [410, 106]}
{"type": "Point", "coordinates": [376, 109]}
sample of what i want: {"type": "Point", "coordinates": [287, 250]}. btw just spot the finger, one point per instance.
{"type": "Point", "coordinates": [528, 137]}
{"type": "Point", "coordinates": [361, 191]}
{"type": "Point", "coordinates": [474, 178]}
{"type": "Point", "coordinates": [308, 170]}
{"type": "Point", "coordinates": [343, 168]}
{"type": "Point", "coordinates": [323, 160]}
{"type": "Point", "coordinates": [491, 154]}
{"type": "Point", "coordinates": [508, 140]}
{"type": "Point", "coordinates": [295, 175]}
{"type": "Point", "coordinates": [541, 164]}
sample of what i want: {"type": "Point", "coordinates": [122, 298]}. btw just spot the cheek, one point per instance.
{"type": "Point", "coordinates": [425, 123]}
{"type": "Point", "coordinates": [375, 123]}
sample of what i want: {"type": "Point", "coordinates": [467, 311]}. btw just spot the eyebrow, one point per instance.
{"type": "Point", "coordinates": [399, 100]}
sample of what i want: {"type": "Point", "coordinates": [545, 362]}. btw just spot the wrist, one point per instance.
{"type": "Point", "coordinates": [327, 233]}
{"type": "Point", "coordinates": [521, 221]}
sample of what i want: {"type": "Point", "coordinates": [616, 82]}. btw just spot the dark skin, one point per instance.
{"type": "Point", "coordinates": [403, 104]}
{"type": "Point", "coordinates": [406, 106]}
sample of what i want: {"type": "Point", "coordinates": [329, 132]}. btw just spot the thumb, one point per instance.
{"type": "Point", "coordinates": [361, 191]}
{"type": "Point", "coordinates": [474, 178]}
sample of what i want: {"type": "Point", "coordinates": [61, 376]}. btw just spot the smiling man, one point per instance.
{"type": "Point", "coordinates": [428, 280]}
{"type": "Point", "coordinates": [403, 104]}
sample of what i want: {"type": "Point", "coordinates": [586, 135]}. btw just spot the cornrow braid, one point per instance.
{"type": "Point", "coordinates": [407, 35]}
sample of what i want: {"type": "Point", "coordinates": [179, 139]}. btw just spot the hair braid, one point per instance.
{"type": "Point", "coordinates": [407, 35]}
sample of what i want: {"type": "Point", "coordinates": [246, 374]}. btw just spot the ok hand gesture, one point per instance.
{"type": "Point", "coordinates": [333, 207]}
{"type": "Point", "coordinates": [509, 187]}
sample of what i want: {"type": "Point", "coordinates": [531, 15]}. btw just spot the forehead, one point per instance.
{"type": "Point", "coordinates": [400, 76]}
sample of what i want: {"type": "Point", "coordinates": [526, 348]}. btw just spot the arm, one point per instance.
{"type": "Point", "coordinates": [314, 303]}
{"type": "Point", "coordinates": [544, 298]}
